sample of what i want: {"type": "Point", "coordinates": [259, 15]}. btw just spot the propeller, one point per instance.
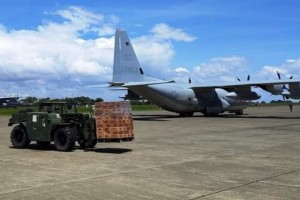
{"type": "Point", "coordinates": [278, 74]}
{"type": "Point", "coordinates": [285, 91]}
{"type": "Point", "coordinates": [248, 78]}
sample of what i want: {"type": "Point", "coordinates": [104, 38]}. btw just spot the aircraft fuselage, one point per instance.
{"type": "Point", "coordinates": [180, 99]}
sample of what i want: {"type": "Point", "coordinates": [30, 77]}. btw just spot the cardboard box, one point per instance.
{"type": "Point", "coordinates": [114, 120]}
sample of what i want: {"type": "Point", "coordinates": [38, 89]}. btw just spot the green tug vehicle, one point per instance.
{"type": "Point", "coordinates": [57, 122]}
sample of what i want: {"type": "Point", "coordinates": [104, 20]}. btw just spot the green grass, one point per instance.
{"type": "Point", "coordinates": [144, 107]}
{"type": "Point", "coordinates": [9, 111]}
{"type": "Point", "coordinates": [84, 109]}
{"type": "Point", "coordinates": [274, 104]}
{"type": "Point", "coordinates": [81, 109]}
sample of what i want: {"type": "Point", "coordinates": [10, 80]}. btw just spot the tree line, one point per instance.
{"type": "Point", "coordinates": [79, 100]}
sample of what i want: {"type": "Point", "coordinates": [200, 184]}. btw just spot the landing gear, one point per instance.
{"type": "Point", "coordinates": [239, 112]}
{"type": "Point", "coordinates": [188, 114]}
{"type": "Point", "coordinates": [210, 114]}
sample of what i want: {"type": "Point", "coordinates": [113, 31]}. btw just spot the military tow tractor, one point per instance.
{"type": "Point", "coordinates": [60, 123]}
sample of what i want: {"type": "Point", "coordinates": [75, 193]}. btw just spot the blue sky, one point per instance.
{"type": "Point", "coordinates": [57, 48]}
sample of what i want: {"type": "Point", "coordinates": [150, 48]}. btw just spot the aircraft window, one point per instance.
{"type": "Point", "coordinates": [127, 43]}
{"type": "Point", "coordinates": [57, 109]}
{"type": "Point", "coordinates": [69, 106]}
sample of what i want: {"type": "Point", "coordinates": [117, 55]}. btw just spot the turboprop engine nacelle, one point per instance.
{"type": "Point", "coordinates": [243, 95]}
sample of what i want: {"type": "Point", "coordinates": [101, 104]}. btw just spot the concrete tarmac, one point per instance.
{"type": "Point", "coordinates": [254, 156]}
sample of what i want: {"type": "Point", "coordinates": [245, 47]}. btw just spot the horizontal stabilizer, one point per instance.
{"type": "Point", "coordinates": [131, 84]}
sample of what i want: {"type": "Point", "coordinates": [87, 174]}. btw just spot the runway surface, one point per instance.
{"type": "Point", "coordinates": [254, 156]}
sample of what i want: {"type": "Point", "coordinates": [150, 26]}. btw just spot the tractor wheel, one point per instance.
{"type": "Point", "coordinates": [64, 139]}
{"type": "Point", "coordinates": [19, 137]}
{"type": "Point", "coordinates": [90, 143]}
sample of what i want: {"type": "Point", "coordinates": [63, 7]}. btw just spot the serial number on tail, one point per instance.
{"type": "Point", "coordinates": [129, 69]}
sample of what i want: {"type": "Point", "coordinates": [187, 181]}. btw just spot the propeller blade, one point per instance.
{"type": "Point", "coordinates": [248, 78]}
{"type": "Point", "coordinates": [238, 79]}
{"type": "Point", "coordinates": [278, 74]}
{"type": "Point", "coordinates": [291, 77]}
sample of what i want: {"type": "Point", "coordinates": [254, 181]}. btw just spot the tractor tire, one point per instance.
{"type": "Point", "coordinates": [89, 143]}
{"type": "Point", "coordinates": [19, 138]}
{"type": "Point", "coordinates": [64, 139]}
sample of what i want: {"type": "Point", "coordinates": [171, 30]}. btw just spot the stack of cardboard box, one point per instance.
{"type": "Point", "coordinates": [114, 121]}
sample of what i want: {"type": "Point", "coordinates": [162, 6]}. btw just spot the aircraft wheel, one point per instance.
{"type": "Point", "coordinates": [64, 139]}
{"type": "Point", "coordinates": [239, 112]}
{"type": "Point", "coordinates": [188, 114]}
{"type": "Point", "coordinates": [211, 114]}
{"type": "Point", "coordinates": [19, 138]}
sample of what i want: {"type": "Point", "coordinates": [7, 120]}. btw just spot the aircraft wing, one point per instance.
{"type": "Point", "coordinates": [143, 83]}
{"type": "Point", "coordinates": [242, 90]}
{"type": "Point", "coordinates": [261, 84]}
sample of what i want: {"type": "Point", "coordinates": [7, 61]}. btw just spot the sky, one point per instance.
{"type": "Point", "coordinates": [58, 48]}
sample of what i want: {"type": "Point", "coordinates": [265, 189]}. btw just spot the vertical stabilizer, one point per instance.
{"type": "Point", "coordinates": [126, 66]}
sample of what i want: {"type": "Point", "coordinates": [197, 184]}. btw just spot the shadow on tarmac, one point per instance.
{"type": "Point", "coordinates": [153, 117]}
{"type": "Point", "coordinates": [246, 116]}
{"type": "Point", "coordinates": [109, 150]}
{"type": "Point", "coordinates": [162, 118]}
{"type": "Point", "coordinates": [51, 147]}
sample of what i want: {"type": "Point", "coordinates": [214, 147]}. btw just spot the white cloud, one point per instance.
{"type": "Point", "coordinates": [155, 51]}
{"type": "Point", "coordinates": [154, 56]}
{"type": "Point", "coordinates": [220, 69]}
{"type": "Point", "coordinates": [164, 31]}
{"type": "Point", "coordinates": [59, 57]}
{"type": "Point", "coordinates": [291, 61]}
{"type": "Point", "coordinates": [287, 69]}
{"type": "Point", "coordinates": [79, 15]}
{"type": "Point", "coordinates": [181, 70]}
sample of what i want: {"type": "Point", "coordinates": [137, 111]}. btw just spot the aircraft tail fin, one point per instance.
{"type": "Point", "coordinates": [126, 67]}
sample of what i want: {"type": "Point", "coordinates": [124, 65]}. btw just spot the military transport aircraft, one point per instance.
{"type": "Point", "coordinates": [9, 102]}
{"type": "Point", "coordinates": [186, 99]}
